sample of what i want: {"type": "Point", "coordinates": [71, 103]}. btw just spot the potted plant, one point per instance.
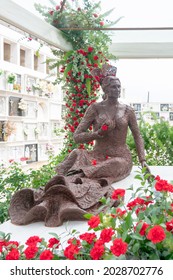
{"type": "Point", "coordinates": [11, 78]}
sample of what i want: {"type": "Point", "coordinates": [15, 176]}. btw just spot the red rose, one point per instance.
{"type": "Point", "coordinates": [81, 102]}
{"type": "Point", "coordinates": [94, 162]}
{"type": "Point", "coordinates": [13, 255]}
{"type": "Point", "coordinates": [46, 255]}
{"type": "Point", "coordinates": [97, 251]}
{"type": "Point", "coordinates": [101, 23]}
{"type": "Point", "coordinates": [86, 76]}
{"type": "Point", "coordinates": [74, 241]}
{"type": "Point", "coordinates": [106, 234]}
{"type": "Point", "coordinates": [33, 240]}
{"type": "Point", "coordinates": [163, 185]}
{"type": "Point", "coordinates": [30, 252]}
{"type": "Point", "coordinates": [139, 209]}
{"type": "Point", "coordinates": [70, 251]}
{"type": "Point", "coordinates": [120, 212]}
{"type": "Point", "coordinates": [135, 202]}
{"type": "Point", "coordinates": [119, 247]}
{"type": "Point", "coordinates": [144, 226]}
{"type": "Point", "coordinates": [12, 243]}
{"type": "Point", "coordinates": [104, 127]}
{"type": "Point", "coordinates": [94, 221]}
{"type": "Point", "coordinates": [51, 12]}
{"type": "Point", "coordinates": [83, 86]}
{"type": "Point", "coordinates": [95, 57]}
{"type": "Point", "coordinates": [52, 242]}
{"type": "Point", "coordinates": [118, 193]}
{"type": "Point", "coordinates": [156, 234]}
{"type": "Point", "coordinates": [88, 237]}
{"type": "Point", "coordinates": [90, 49]}
{"type": "Point", "coordinates": [169, 226]}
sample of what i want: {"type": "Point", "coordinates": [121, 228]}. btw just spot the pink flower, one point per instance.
{"type": "Point", "coordinates": [101, 23]}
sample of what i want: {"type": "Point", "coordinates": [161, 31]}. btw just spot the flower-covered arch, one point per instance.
{"type": "Point", "coordinates": [80, 24]}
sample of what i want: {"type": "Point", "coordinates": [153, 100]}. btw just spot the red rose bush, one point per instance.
{"type": "Point", "coordinates": [140, 229]}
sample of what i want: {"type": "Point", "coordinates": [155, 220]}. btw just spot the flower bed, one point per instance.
{"type": "Point", "coordinates": [141, 229]}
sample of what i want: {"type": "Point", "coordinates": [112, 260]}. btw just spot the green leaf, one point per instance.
{"type": "Point", "coordinates": [68, 68]}
{"type": "Point", "coordinates": [88, 85]}
{"type": "Point", "coordinates": [54, 234]}
{"type": "Point", "coordinates": [138, 177]}
{"type": "Point", "coordinates": [128, 220]}
{"type": "Point", "coordinates": [136, 247]}
{"type": "Point", "coordinates": [67, 54]}
{"type": "Point", "coordinates": [136, 236]}
{"type": "Point", "coordinates": [88, 216]}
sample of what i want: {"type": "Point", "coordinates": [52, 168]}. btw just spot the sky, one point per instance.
{"type": "Point", "coordinates": [138, 76]}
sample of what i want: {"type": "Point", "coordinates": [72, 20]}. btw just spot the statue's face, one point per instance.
{"type": "Point", "coordinates": [112, 87]}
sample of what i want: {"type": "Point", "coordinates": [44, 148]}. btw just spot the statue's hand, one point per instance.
{"type": "Point", "coordinates": [106, 127]}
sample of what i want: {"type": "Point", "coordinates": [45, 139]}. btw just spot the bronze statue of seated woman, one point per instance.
{"type": "Point", "coordinates": [84, 177]}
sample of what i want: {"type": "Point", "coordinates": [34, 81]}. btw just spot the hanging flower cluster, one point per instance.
{"type": "Point", "coordinates": [90, 49]}
{"type": "Point", "coordinates": [81, 88]}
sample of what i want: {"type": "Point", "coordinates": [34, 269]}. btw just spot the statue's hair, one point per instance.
{"type": "Point", "coordinates": [101, 73]}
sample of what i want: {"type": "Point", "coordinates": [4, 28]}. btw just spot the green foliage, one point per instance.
{"type": "Point", "coordinates": [85, 15]}
{"type": "Point", "coordinates": [158, 142]}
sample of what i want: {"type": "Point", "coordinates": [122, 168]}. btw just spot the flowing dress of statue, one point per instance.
{"type": "Point", "coordinates": [84, 177]}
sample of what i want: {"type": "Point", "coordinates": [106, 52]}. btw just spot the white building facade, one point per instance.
{"type": "Point", "coordinates": [30, 105]}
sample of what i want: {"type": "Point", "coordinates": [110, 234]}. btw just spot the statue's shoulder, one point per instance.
{"type": "Point", "coordinates": [129, 108]}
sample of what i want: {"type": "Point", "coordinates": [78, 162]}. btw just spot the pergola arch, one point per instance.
{"type": "Point", "coordinates": [126, 42]}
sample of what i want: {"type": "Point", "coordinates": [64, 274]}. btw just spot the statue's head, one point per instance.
{"type": "Point", "coordinates": [106, 77]}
